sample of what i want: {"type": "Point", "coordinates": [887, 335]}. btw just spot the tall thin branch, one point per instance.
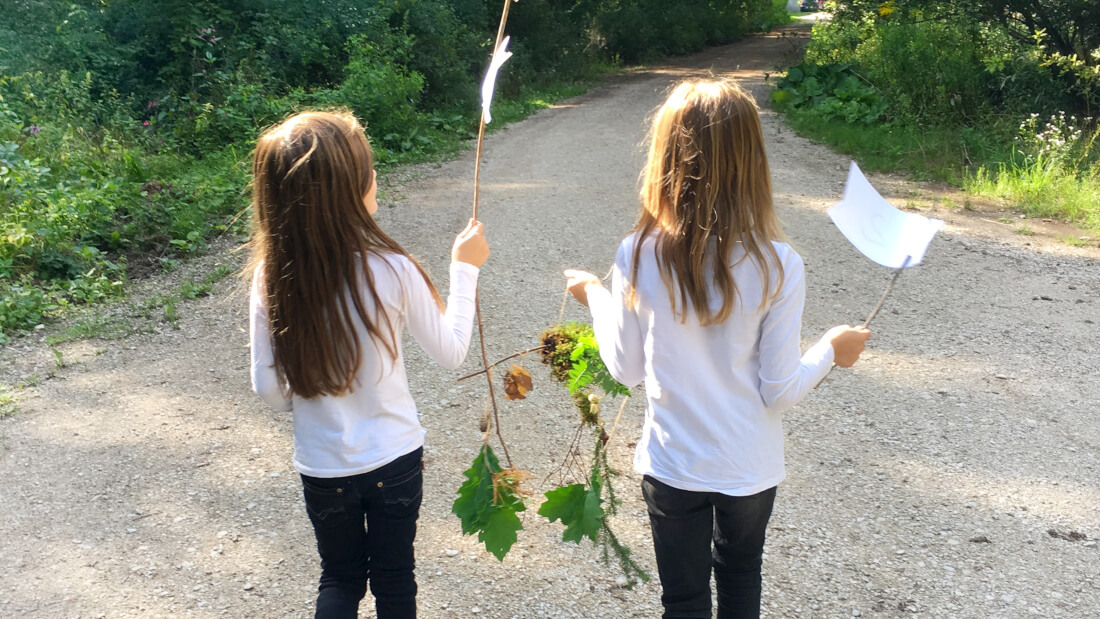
{"type": "Point", "coordinates": [477, 301]}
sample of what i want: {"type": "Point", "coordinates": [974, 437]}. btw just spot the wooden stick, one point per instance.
{"type": "Point", "coordinates": [622, 407]}
{"type": "Point", "coordinates": [889, 288]}
{"type": "Point", "coordinates": [874, 312]}
{"type": "Point", "coordinates": [499, 361]}
{"type": "Point", "coordinates": [477, 157]}
{"type": "Point", "coordinates": [489, 376]}
{"type": "Point", "coordinates": [477, 302]}
{"type": "Point", "coordinates": [481, 123]}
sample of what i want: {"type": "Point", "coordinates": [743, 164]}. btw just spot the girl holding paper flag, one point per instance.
{"type": "Point", "coordinates": [706, 307]}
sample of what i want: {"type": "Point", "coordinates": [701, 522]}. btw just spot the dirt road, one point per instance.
{"type": "Point", "coordinates": [955, 472]}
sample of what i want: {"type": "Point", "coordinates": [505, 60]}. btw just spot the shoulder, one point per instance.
{"type": "Point", "coordinates": [631, 243]}
{"type": "Point", "coordinates": [388, 264]}
{"type": "Point", "coordinates": [400, 262]}
{"type": "Point", "coordinates": [788, 257]}
{"type": "Point", "coordinates": [794, 269]}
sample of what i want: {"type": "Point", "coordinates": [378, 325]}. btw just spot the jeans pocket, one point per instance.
{"type": "Point", "coordinates": [401, 494]}
{"type": "Point", "coordinates": [326, 506]}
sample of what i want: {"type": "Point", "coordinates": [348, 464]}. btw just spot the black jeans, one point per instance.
{"type": "Point", "coordinates": [387, 499]}
{"type": "Point", "coordinates": [683, 524]}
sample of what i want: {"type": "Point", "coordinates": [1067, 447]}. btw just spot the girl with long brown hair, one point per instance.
{"type": "Point", "coordinates": [706, 308]}
{"type": "Point", "coordinates": [331, 296]}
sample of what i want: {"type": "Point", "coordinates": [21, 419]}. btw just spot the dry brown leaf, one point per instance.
{"type": "Point", "coordinates": [517, 382]}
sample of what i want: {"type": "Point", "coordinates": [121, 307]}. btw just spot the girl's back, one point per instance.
{"type": "Point", "coordinates": [332, 295]}
{"type": "Point", "coordinates": [711, 389]}
{"type": "Point", "coordinates": [361, 429]}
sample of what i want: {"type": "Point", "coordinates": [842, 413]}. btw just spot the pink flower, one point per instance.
{"type": "Point", "coordinates": [145, 124]}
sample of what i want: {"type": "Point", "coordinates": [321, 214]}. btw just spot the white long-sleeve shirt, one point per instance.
{"type": "Point", "coordinates": [377, 422]}
{"type": "Point", "coordinates": [713, 393]}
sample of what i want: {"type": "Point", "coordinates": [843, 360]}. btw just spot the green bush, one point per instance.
{"type": "Point", "coordinates": [952, 81]}
{"type": "Point", "coordinates": [951, 69]}
{"type": "Point", "coordinates": [639, 30]}
{"type": "Point", "coordinates": [834, 91]}
{"type": "Point", "coordinates": [380, 88]}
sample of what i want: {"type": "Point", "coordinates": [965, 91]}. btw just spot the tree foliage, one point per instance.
{"type": "Point", "coordinates": [123, 123]}
{"type": "Point", "coordinates": [1060, 35]}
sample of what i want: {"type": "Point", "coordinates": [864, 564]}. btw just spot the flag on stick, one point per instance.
{"type": "Point", "coordinates": [877, 229]}
{"type": "Point", "coordinates": [881, 232]}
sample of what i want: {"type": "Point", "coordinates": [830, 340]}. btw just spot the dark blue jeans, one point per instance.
{"type": "Point", "coordinates": [684, 524]}
{"type": "Point", "coordinates": [365, 526]}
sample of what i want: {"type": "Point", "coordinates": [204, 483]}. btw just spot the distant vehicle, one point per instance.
{"type": "Point", "coordinates": [811, 5]}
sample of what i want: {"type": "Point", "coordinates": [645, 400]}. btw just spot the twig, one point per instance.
{"type": "Point", "coordinates": [498, 362]}
{"type": "Point", "coordinates": [564, 299]}
{"type": "Point", "coordinates": [615, 424]}
{"type": "Point", "coordinates": [568, 461]}
{"type": "Point", "coordinates": [489, 376]}
{"type": "Point", "coordinates": [874, 312]}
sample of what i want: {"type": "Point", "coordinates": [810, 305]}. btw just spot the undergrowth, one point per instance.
{"type": "Point", "coordinates": [943, 99]}
{"type": "Point", "coordinates": [126, 127]}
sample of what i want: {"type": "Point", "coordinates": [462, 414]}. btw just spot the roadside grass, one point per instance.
{"type": "Point", "coordinates": [127, 318]}
{"type": "Point", "coordinates": [1075, 241]}
{"type": "Point", "coordinates": [8, 405]}
{"type": "Point", "coordinates": [925, 153]}
{"type": "Point", "coordinates": [980, 160]}
{"type": "Point", "coordinates": [1043, 191]}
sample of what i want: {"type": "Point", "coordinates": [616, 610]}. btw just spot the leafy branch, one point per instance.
{"type": "Point", "coordinates": [488, 502]}
{"type": "Point", "coordinates": [571, 351]}
{"type": "Point", "coordinates": [491, 497]}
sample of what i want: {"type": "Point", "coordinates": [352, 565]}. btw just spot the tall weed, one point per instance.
{"type": "Point", "coordinates": [1053, 171]}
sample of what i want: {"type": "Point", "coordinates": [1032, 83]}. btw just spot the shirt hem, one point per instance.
{"type": "Point", "coordinates": [679, 484]}
{"type": "Point", "coordinates": [331, 473]}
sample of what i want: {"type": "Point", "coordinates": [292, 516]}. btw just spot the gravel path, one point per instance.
{"type": "Point", "coordinates": [955, 472]}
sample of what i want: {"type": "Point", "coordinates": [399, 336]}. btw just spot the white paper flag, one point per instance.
{"type": "Point", "coordinates": [880, 231]}
{"type": "Point", "coordinates": [500, 55]}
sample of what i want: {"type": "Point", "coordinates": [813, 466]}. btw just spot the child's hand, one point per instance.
{"type": "Point", "coordinates": [470, 245]}
{"type": "Point", "coordinates": [578, 284]}
{"type": "Point", "coordinates": [848, 343]}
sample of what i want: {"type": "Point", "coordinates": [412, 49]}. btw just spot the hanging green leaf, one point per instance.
{"type": "Point", "coordinates": [475, 495]}
{"type": "Point", "coordinates": [578, 508]}
{"type": "Point", "coordinates": [499, 532]}
{"type": "Point", "coordinates": [488, 501]}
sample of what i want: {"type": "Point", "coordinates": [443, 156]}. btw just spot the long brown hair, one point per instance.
{"type": "Point", "coordinates": [312, 236]}
{"type": "Point", "coordinates": [707, 178]}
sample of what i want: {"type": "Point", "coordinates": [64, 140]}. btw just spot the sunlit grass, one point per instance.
{"type": "Point", "coordinates": [1043, 189]}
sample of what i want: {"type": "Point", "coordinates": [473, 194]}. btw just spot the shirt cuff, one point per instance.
{"type": "Point", "coordinates": [820, 358]}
